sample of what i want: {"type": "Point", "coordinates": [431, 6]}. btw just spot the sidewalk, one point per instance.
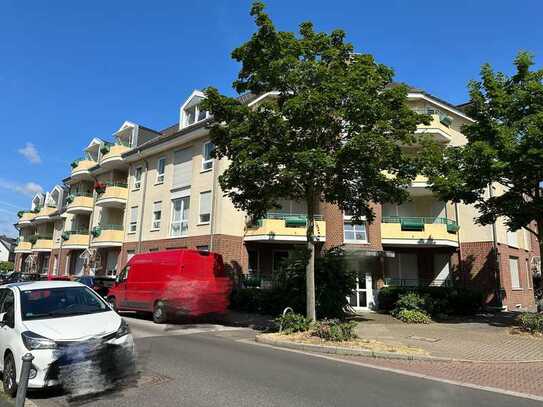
{"type": "Point", "coordinates": [487, 339]}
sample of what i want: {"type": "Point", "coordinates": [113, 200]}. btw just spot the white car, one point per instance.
{"type": "Point", "coordinates": [63, 325]}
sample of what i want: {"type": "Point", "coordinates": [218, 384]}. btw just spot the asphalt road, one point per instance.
{"type": "Point", "coordinates": [217, 366]}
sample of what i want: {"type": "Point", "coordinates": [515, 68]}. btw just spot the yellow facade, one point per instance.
{"type": "Point", "coordinates": [80, 202]}
{"type": "Point", "coordinates": [43, 244]}
{"type": "Point", "coordinates": [77, 240]}
{"type": "Point", "coordinates": [433, 232]}
{"type": "Point", "coordinates": [27, 217]}
{"type": "Point", "coordinates": [113, 192]}
{"type": "Point", "coordinates": [82, 166]}
{"type": "Point", "coordinates": [276, 229]}
{"type": "Point", "coordinates": [106, 237]}
{"type": "Point", "coordinates": [114, 153]}
{"type": "Point", "coordinates": [23, 247]}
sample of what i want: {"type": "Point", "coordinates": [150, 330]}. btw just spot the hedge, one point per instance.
{"type": "Point", "coordinates": [454, 301]}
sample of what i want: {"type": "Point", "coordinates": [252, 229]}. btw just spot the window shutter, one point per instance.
{"type": "Point", "coordinates": [182, 170]}
{"type": "Point", "coordinates": [205, 202]}
{"type": "Point", "coordinates": [134, 214]}
{"type": "Point", "coordinates": [157, 206]}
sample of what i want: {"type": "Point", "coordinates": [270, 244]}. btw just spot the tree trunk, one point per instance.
{"type": "Point", "coordinates": [310, 268]}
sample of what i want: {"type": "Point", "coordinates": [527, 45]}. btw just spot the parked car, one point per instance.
{"type": "Point", "coordinates": [172, 283]}
{"type": "Point", "coordinates": [63, 324]}
{"type": "Point", "coordinates": [17, 276]}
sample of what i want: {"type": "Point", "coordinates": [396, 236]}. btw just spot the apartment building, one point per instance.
{"type": "Point", "coordinates": [157, 190]}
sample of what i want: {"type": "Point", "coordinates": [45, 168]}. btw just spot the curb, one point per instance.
{"type": "Point", "coordinates": [338, 350]}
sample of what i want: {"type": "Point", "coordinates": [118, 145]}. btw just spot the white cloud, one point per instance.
{"type": "Point", "coordinates": [30, 153]}
{"type": "Point", "coordinates": [28, 189]}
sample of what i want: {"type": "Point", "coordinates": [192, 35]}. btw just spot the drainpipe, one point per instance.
{"type": "Point", "coordinates": [496, 257]}
{"type": "Point", "coordinates": [212, 220]}
{"type": "Point", "coordinates": [460, 256]}
{"type": "Point", "coordinates": [140, 232]}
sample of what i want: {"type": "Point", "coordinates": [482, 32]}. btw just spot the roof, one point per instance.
{"type": "Point", "coordinates": [40, 285]}
{"type": "Point", "coordinates": [8, 242]}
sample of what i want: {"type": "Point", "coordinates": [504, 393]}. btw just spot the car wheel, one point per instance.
{"type": "Point", "coordinates": [112, 303]}
{"type": "Point", "coordinates": [159, 313]}
{"type": "Point", "coordinates": [9, 378]}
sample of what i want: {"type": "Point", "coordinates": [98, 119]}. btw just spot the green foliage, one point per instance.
{"type": "Point", "coordinates": [292, 322]}
{"type": "Point", "coordinates": [412, 316]}
{"type": "Point", "coordinates": [436, 300]}
{"type": "Point", "coordinates": [505, 146]}
{"type": "Point", "coordinates": [20, 214]}
{"type": "Point", "coordinates": [410, 301]}
{"type": "Point", "coordinates": [33, 239]}
{"type": "Point", "coordinates": [6, 266]}
{"type": "Point", "coordinates": [333, 279]}
{"type": "Point", "coordinates": [531, 322]}
{"type": "Point", "coordinates": [335, 330]}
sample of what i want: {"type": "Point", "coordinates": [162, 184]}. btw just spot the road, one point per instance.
{"type": "Point", "coordinates": [209, 365]}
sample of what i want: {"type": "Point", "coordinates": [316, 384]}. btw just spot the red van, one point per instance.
{"type": "Point", "coordinates": [172, 283]}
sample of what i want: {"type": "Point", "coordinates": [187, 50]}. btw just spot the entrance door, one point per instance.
{"type": "Point", "coordinates": [79, 264]}
{"type": "Point", "coordinates": [362, 297]}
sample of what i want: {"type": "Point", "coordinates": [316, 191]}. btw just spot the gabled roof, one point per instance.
{"type": "Point", "coordinates": [94, 142]}
{"type": "Point", "coordinates": [8, 242]}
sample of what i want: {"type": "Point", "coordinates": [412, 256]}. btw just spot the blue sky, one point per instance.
{"type": "Point", "coordinates": [74, 70]}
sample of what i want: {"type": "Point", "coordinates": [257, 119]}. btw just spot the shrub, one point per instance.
{"type": "Point", "coordinates": [335, 330]}
{"type": "Point", "coordinates": [292, 322]}
{"type": "Point", "coordinates": [412, 316]}
{"type": "Point", "coordinates": [466, 302]}
{"type": "Point", "coordinates": [6, 266]}
{"type": "Point", "coordinates": [410, 301]}
{"type": "Point", "coordinates": [531, 322]}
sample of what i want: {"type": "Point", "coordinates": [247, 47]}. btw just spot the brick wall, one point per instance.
{"type": "Point", "coordinates": [523, 296]}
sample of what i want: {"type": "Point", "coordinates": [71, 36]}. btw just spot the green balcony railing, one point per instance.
{"type": "Point", "coordinates": [292, 220]}
{"type": "Point", "coordinates": [416, 223]}
{"type": "Point", "coordinates": [415, 282]}
{"type": "Point", "coordinates": [111, 226]}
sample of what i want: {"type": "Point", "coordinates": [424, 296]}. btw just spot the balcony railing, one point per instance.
{"type": "Point", "coordinates": [415, 223]}
{"type": "Point", "coordinates": [111, 226]}
{"type": "Point", "coordinates": [399, 282]}
{"type": "Point", "coordinates": [284, 227]}
{"type": "Point", "coordinates": [292, 220]}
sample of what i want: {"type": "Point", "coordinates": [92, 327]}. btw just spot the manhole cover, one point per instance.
{"type": "Point", "coordinates": [424, 339]}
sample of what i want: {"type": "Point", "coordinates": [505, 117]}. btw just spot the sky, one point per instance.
{"type": "Point", "coordinates": [74, 70]}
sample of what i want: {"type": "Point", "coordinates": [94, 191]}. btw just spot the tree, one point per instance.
{"type": "Point", "coordinates": [331, 131]}
{"type": "Point", "coordinates": [505, 148]}
{"type": "Point", "coordinates": [6, 266]}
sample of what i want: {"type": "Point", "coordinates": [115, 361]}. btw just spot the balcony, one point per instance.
{"type": "Point", "coordinates": [112, 155]}
{"type": "Point", "coordinates": [111, 235]}
{"type": "Point", "coordinates": [114, 195]}
{"type": "Point", "coordinates": [440, 128]}
{"type": "Point", "coordinates": [44, 214]}
{"type": "Point", "coordinates": [81, 168]}
{"type": "Point", "coordinates": [23, 247]}
{"type": "Point", "coordinates": [75, 239]}
{"type": "Point", "coordinates": [397, 282]}
{"type": "Point", "coordinates": [26, 218]}
{"type": "Point", "coordinates": [42, 242]}
{"type": "Point", "coordinates": [419, 231]}
{"type": "Point", "coordinates": [282, 227]}
{"type": "Point", "coordinates": [79, 202]}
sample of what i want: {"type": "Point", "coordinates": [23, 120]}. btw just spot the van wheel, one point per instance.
{"type": "Point", "coordinates": [112, 303]}
{"type": "Point", "coordinates": [159, 312]}
{"type": "Point", "coordinates": [9, 378]}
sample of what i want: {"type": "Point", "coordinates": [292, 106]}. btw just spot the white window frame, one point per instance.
{"type": "Point", "coordinates": [133, 224]}
{"type": "Point", "coordinates": [182, 220]}
{"type": "Point", "coordinates": [155, 223]}
{"type": "Point", "coordinates": [511, 260]}
{"type": "Point", "coordinates": [196, 115]}
{"type": "Point", "coordinates": [137, 182]}
{"type": "Point", "coordinates": [160, 176]}
{"type": "Point", "coordinates": [512, 238]}
{"type": "Point", "coordinates": [209, 161]}
{"type": "Point", "coordinates": [347, 219]}
{"type": "Point", "coordinates": [200, 221]}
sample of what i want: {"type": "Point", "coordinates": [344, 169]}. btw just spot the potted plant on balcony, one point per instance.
{"type": "Point", "coordinates": [20, 214]}
{"type": "Point", "coordinates": [37, 209]}
{"type": "Point", "coordinates": [65, 235]}
{"type": "Point", "coordinates": [70, 198]}
{"type": "Point", "coordinates": [33, 239]}
{"type": "Point", "coordinates": [99, 187]}
{"type": "Point", "coordinates": [96, 231]}
{"type": "Point", "coordinates": [105, 148]}
{"type": "Point", "coordinates": [74, 164]}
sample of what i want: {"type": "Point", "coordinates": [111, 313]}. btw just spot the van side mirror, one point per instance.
{"type": "Point", "coordinates": [2, 319]}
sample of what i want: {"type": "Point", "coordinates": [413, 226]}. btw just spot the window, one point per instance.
{"type": "Point", "coordinates": [202, 248]}
{"type": "Point", "coordinates": [529, 277]}
{"type": "Point", "coordinates": [205, 207]}
{"type": "Point", "coordinates": [157, 215]}
{"type": "Point", "coordinates": [180, 216]}
{"type": "Point", "coordinates": [354, 233]}
{"type": "Point", "coordinates": [207, 162]}
{"type": "Point", "coordinates": [160, 167]}
{"type": "Point", "coordinates": [8, 306]}
{"type": "Point", "coordinates": [137, 177]}
{"type": "Point", "coordinates": [182, 168]}
{"type": "Point", "coordinates": [513, 269]}
{"type": "Point", "coordinates": [512, 238]}
{"type": "Point", "coordinates": [133, 220]}
{"type": "Point", "coordinates": [194, 114]}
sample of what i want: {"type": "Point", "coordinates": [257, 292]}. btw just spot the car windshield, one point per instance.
{"type": "Point", "coordinates": [60, 302]}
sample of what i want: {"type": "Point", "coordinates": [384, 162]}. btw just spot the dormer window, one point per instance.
{"type": "Point", "coordinates": [193, 114]}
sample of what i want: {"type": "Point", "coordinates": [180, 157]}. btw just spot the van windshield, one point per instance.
{"type": "Point", "coordinates": [60, 302]}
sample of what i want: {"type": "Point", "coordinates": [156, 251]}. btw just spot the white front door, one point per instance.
{"type": "Point", "coordinates": [362, 297]}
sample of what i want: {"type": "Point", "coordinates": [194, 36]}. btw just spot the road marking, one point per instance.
{"type": "Point", "coordinates": [400, 371]}
{"type": "Point", "coordinates": [148, 329]}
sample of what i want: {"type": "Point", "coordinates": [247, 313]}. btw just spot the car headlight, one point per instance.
{"type": "Point", "coordinates": [123, 329]}
{"type": "Point", "coordinates": [34, 341]}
